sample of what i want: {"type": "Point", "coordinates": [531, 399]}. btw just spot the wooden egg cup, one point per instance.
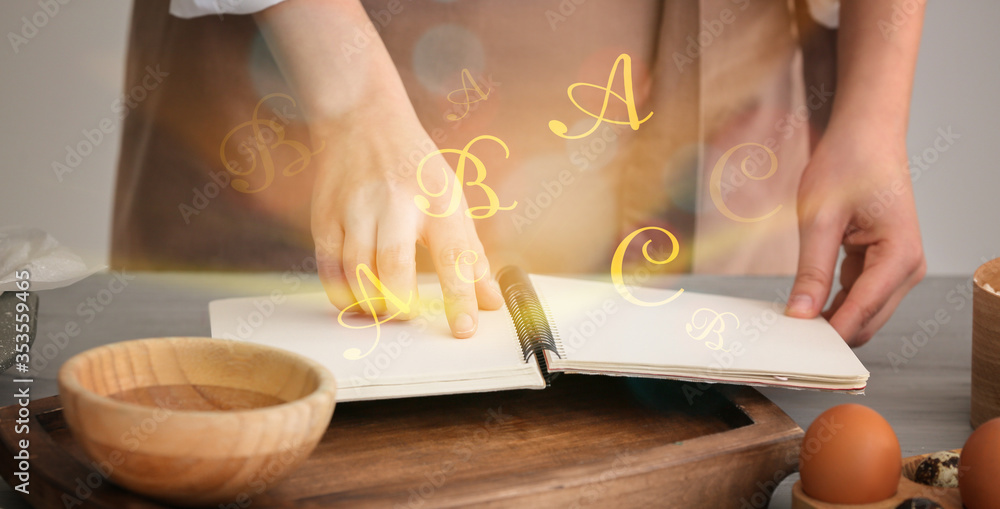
{"type": "Point", "coordinates": [948, 498]}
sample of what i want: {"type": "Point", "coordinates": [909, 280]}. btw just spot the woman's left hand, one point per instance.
{"type": "Point", "coordinates": [856, 192]}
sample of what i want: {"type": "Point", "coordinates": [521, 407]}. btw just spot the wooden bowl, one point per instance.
{"type": "Point", "coordinates": [195, 421]}
{"type": "Point", "coordinates": [948, 498]}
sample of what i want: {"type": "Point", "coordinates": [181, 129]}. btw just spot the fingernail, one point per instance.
{"type": "Point", "coordinates": [464, 324]}
{"type": "Point", "coordinates": [799, 304]}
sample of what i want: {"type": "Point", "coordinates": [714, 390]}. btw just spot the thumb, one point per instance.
{"type": "Point", "coordinates": [819, 245]}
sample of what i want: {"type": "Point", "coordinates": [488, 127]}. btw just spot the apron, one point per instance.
{"type": "Point", "coordinates": [214, 173]}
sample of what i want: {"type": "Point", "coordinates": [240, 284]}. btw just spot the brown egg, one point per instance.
{"type": "Point", "coordinates": [850, 455]}
{"type": "Point", "coordinates": [979, 467]}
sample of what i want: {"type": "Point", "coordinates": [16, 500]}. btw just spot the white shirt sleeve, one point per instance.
{"type": "Point", "coordinates": [196, 8]}
{"type": "Point", "coordinates": [825, 12]}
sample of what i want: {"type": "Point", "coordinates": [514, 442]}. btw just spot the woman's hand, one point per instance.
{"type": "Point", "coordinates": [363, 212]}
{"type": "Point", "coordinates": [856, 192]}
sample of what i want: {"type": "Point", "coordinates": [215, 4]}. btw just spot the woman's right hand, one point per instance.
{"type": "Point", "coordinates": [363, 209]}
{"type": "Point", "coordinates": [363, 212]}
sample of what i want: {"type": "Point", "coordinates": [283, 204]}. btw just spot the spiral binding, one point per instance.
{"type": "Point", "coordinates": [555, 332]}
{"type": "Point", "coordinates": [528, 314]}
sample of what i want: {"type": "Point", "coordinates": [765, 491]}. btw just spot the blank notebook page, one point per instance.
{"type": "Point", "coordinates": [601, 331]}
{"type": "Point", "coordinates": [419, 357]}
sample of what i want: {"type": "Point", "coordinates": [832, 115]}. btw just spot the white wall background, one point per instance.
{"type": "Point", "coordinates": [62, 81]}
{"type": "Point", "coordinates": [67, 76]}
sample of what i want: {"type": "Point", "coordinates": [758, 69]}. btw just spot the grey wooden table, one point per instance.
{"type": "Point", "coordinates": [920, 386]}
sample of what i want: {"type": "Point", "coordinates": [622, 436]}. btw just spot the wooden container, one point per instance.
{"type": "Point", "coordinates": [948, 498]}
{"type": "Point", "coordinates": [985, 344]}
{"type": "Point", "coordinates": [586, 442]}
{"type": "Point", "coordinates": [194, 421]}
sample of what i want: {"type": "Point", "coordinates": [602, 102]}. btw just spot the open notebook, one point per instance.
{"type": "Point", "coordinates": [550, 325]}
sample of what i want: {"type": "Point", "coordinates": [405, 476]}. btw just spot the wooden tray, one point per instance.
{"type": "Point", "coordinates": [948, 498]}
{"type": "Point", "coordinates": [586, 441]}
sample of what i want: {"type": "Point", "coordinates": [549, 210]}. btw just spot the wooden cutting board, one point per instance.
{"type": "Point", "coordinates": [586, 441]}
